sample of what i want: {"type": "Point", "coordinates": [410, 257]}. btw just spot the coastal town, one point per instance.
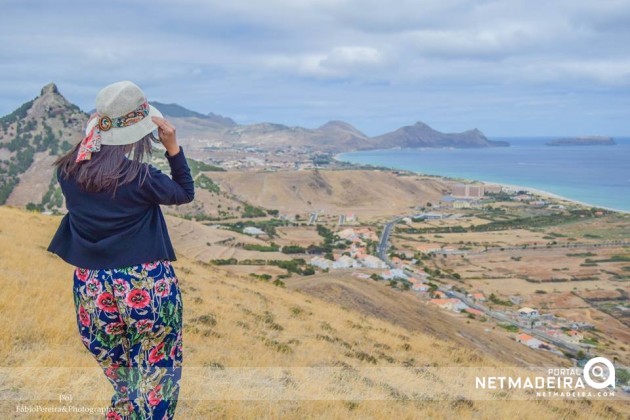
{"type": "Point", "coordinates": [422, 253]}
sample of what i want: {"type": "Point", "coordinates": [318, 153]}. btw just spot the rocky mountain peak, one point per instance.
{"type": "Point", "coordinates": [50, 88]}
{"type": "Point", "coordinates": [50, 102]}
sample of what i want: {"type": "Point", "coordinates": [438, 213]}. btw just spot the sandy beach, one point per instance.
{"type": "Point", "coordinates": [544, 193]}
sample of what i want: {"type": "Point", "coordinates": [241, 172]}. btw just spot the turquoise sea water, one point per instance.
{"type": "Point", "coordinates": [598, 175]}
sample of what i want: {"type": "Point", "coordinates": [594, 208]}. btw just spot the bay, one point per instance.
{"type": "Point", "coordinates": [597, 175]}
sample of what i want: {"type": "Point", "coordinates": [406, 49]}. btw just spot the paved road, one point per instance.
{"type": "Point", "coordinates": [568, 347]}
{"type": "Point", "coordinates": [383, 244]}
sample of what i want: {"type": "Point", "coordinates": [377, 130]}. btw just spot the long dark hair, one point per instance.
{"type": "Point", "coordinates": [106, 170]}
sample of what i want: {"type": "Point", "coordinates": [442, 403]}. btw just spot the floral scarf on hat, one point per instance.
{"type": "Point", "coordinates": [92, 141]}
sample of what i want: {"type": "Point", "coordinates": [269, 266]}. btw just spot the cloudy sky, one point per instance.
{"type": "Point", "coordinates": [507, 67]}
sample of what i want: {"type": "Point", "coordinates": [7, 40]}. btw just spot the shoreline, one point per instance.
{"type": "Point", "coordinates": [507, 186]}
{"type": "Point", "coordinates": [551, 195]}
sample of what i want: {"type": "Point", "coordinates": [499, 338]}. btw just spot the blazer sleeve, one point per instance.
{"type": "Point", "coordinates": [179, 188]}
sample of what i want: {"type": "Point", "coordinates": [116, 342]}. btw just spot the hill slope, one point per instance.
{"type": "Point", "coordinates": [30, 139]}
{"type": "Point", "coordinates": [381, 301]}
{"type": "Point", "coordinates": [233, 324]}
{"type": "Point", "coordinates": [364, 192]}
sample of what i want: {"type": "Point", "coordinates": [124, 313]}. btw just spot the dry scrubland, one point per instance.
{"type": "Point", "coordinates": [230, 322]}
{"type": "Point", "coordinates": [369, 194]}
{"type": "Point", "coordinates": [588, 283]}
{"type": "Point", "coordinates": [204, 243]}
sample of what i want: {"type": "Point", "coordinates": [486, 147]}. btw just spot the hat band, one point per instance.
{"type": "Point", "coordinates": [105, 123]}
{"type": "Point", "coordinates": [92, 141]}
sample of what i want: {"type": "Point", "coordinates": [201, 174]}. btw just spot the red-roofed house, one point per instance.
{"type": "Point", "coordinates": [575, 336]}
{"type": "Point", "coordinates": [479, 297]}
{"type": "Point", "coordinates": [529, 341]}
{"type": "Point", "coordinates": [420, 287]}
{"type": "Point", "coordinates": [451, 304]}
{"type": "Point", "coordinates": [473, 311]}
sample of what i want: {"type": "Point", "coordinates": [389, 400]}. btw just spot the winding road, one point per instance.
{"type": "Point", "coordinates": [498, 316]}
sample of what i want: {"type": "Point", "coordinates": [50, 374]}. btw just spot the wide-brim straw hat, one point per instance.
{"type": "Point", "coordinates": [116, 105]}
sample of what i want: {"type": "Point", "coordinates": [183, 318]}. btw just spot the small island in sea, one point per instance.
{"type": "Point", "coordinates": [583, 141]}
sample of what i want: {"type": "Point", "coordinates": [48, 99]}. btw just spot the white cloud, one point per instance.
{"type": "Point", "coordinates": [354, 59]}
{"type": "Point", "coordinates": [348, 57]}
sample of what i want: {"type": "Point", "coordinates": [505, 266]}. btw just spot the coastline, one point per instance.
{"type": "Point", "coordinates": [537, 191]}
{"type": "Point", "coordinates": [544, 193]}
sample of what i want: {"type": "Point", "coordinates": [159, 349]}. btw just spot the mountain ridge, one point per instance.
{"type": "Point", "coordinates": [42, 128]}
{"type": "Point", "coordinates": [336, 136]}
{"type": "Point", "coordinates": [422, 135]}
{"type": "Point", "coordinates": [333, 136]}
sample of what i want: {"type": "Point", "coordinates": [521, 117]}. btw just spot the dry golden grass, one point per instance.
{"type": "Point", "coordinates": [204, 243]}
{"type": "Point", "coordinates": [369, 194]}
{"type": "Point", "coordinates": [297, 235]}
{"type": "Point", "coordinates": [230, 322]}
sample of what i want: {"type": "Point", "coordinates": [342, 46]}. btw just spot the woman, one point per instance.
{"type": "Point", "coordinates": [126, 293]}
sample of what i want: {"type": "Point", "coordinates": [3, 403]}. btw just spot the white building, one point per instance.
{"type": "Point", "coordinates": [321, 262]}
{"type": "Point", "coordinates": [528, 313]}
{"type": "Point", "coordinates": [394, 273]}
{"type": "Point", "coordinates": [429, 216]}
{"type": "Point", "coordinates": [370, 261]}
{"type": "Point", "coordinates": [252, 230]}
{"type": "Point", "coordinates": [345, 262]}
{"type": "Point", "coordinates": [348, 234]}
{"type": "Point", "coordinates": [420, 287]}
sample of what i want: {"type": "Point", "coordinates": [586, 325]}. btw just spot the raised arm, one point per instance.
{"type": "Point", "coordinates": [180, 187]}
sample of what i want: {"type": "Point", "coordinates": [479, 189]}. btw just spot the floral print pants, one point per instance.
{"type": "Point", "coordinates": [130, 319]}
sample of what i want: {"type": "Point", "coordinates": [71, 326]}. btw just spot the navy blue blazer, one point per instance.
{"type": "Point", "coordinates": [100, 232]}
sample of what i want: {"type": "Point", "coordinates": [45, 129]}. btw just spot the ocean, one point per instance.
{"type": "Point", "coordinates": [598, 175]}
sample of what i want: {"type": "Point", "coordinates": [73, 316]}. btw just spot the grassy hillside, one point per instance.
{"type": "Point", "coordinates": [231, 322]}
{"type": "Point", "coordinates": [369, 194]}
{"type": "Point", "coordinates": [405, 309]}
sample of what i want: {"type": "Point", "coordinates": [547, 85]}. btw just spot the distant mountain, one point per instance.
{"type": "Point", "coordinates": [191, 123]}
{"type": "Point", "coordinates": [198, 130]}
{"type": "Point", "coordinates": [39, 130]}
{"type": "Point", "coordinates": [583, 141]}
{"type": "Point", "coordinates": [228, 122]}
{"type": "Point", "coordinates": [341, 127]}
{"type": "Point", "coordinates": [335, 136]}
{"type": "Point", "coordinates": [177, 111]}
{"type": "Point", "coordinates": [31, 137]}
{"type": "Point", "coordinates": [421, 135]}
